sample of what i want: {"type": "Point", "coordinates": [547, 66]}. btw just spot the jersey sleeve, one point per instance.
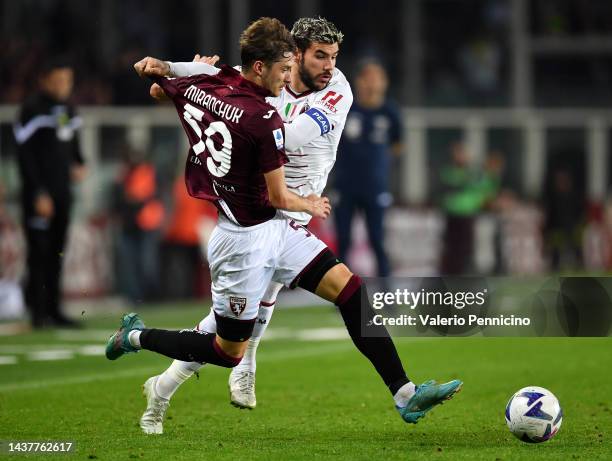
{"type": "Point", "coordinates": [328, 111]}
{"type": "Point", "coordinates": [185, 69]}
{"type": "Point", "coordinates": [269, 136]}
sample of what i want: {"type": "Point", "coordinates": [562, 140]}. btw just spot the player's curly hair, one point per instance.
{"type": "Point", "coordinates": [267, 40]}
{"type": "Point", "coordinates": [306, 31]}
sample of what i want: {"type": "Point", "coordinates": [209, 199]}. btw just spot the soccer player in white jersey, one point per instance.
{"type": "Point", "coordinates": [314, 108]}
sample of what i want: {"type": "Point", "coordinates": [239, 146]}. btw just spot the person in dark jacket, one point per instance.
{"type": "Point", "coordinates": [371, 138]}
{"type": "Point", "coordinates": [49, 160]}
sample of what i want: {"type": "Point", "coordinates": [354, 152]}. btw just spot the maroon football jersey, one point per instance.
{"type": "Point", "coordinates": [235, 137]}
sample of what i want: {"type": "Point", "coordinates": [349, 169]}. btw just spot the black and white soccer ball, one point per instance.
{"type": "Point", "coordinates": [533, 414]}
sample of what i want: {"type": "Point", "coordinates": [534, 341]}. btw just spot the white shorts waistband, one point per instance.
{"type": "Point", "coordinates": [227, 225]}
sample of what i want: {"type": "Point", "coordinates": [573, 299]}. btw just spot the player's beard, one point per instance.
{"type": "Point", "coordinates": [308, 79]}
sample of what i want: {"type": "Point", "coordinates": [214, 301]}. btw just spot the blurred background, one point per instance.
{"type": "Point", "coordinates": [515, 94]}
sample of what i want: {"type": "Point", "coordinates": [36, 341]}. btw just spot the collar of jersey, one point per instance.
{"type": "Point", "coordinates": [239, 80]}
{"type": "Point", "coordinates": [297, 95]}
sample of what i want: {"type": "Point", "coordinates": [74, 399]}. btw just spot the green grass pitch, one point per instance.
{"type": "Point", "coordinates": [317, 399]}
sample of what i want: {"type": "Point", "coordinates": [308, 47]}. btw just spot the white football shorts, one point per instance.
{"type": "Point", "coordinates": [244, 260]}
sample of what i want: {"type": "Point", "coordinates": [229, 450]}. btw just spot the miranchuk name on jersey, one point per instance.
{"type": "Point", "coordinates": [235, 137]}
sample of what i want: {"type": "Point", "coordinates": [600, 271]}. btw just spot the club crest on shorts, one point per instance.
{"type": "Point", "coordinates": [237, 305]}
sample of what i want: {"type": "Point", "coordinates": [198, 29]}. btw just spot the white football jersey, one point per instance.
{"type": "Point", "coordinates": [314, 121]}
{"type": "Point", "coordinates": [310, 164]}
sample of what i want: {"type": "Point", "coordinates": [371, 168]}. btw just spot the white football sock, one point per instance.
{"type": "Point", "coordinates": [248, 362]}
{"type": "Point", "coordinates": [208, 323]}
{"type": "Point", "coordinates": [404, 394]}
{"type": "Point", "coordinates": [179, 372]}
{"type": "Point", "coordinates": [266, 309]}
{"type": "Point", "coordinates": [263, 320]}
{"type": "Point", "coordinates": [134, 338]}
{"type": "Point", "coordinates": [176, 374]}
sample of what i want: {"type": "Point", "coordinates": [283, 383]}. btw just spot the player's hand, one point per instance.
{"type": "Point", "coordinates": [320, 206]}
{"type": "Point", "coordinates": [212, 60]}
{"type": "Point", "coordinates": [43, 205]}
{"type": "Point", "coordinates": [149, 66]}
{"type": "Point", "coordinates": [157, 92]}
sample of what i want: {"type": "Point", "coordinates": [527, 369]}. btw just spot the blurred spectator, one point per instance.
{"type": "Point", "coordinates": [11, 297]}
{"type": "Point", "coordinates": [462, 198]}
{"type": "Point", "coordinates": [564, 209]}
{"type": "Point", "coordinates": [141, 215]}
{"type": "Point", "coordinates": [371, 136]}
{"type": "Point", "coordinates": [495, 201]}
{"type": "Point", "coordinates": [183, 263]}
{"type": "Point", "coordinates": [480, 60]}
{"type": "Point", "coordinates": [49, 159]}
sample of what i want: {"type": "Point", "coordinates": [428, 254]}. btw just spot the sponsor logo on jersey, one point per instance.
{"type": "Point", "coordinates": [237, 305]}
{"type": "Point", "coordinates": [225, 187]}
{"type": "Point", "coordinates": [332, 98]}
{"type": "Point", "coordinates": [269, 114]}
{"type": "Point", "coordinates": [278, 138]}
{"type": "Point", "coordinates": [329, 101]}
{"type": "Point", "coordinates": [320, 119]}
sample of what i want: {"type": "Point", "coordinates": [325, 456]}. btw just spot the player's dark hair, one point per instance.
{"type": "Point", "coordinates": [266, 40]}
{"type": "Point", "coordinates": [307, 31]}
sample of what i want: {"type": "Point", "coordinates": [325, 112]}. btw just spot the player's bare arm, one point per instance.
{"type": "Point", "coordinates": [283, 199]}
{"type": "Point", "coordinates": [151, 67]}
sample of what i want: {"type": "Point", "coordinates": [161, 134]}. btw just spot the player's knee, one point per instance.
{"type": "Point", "coordinates": [318, 271]}
{"type": "Point", "coordinates": [350, 291]}
{"type": "Point", "coordinates": [230, 352]}
{"type": "Point", "coordinates": [232, 348]}
{"type": "Point", "coordinates": [232, 339]}
{"type": "Point", "coordinates": [334, 282]}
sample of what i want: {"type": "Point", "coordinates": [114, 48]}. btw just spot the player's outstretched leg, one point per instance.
{"type": "Point", "coordinates": [242, 377]}
{"type": "Point", "coordinates": [335, 282]}
{"type": "Point", "coordinates": [411, 401]}
{"type": "Point", "coordinates": [183, 345]}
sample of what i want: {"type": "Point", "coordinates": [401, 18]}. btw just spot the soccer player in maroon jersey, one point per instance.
{"type": "Point", "coordinates": [236, 161]}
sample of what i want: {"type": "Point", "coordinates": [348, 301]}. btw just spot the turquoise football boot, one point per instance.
{"type": "Point", "coordinates": [428, 395]}
{"type": "Point", "coordinates": [118, 344]}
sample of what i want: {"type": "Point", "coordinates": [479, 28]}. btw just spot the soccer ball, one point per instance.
{"type": "Point", "coordinates": [533, 414]}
